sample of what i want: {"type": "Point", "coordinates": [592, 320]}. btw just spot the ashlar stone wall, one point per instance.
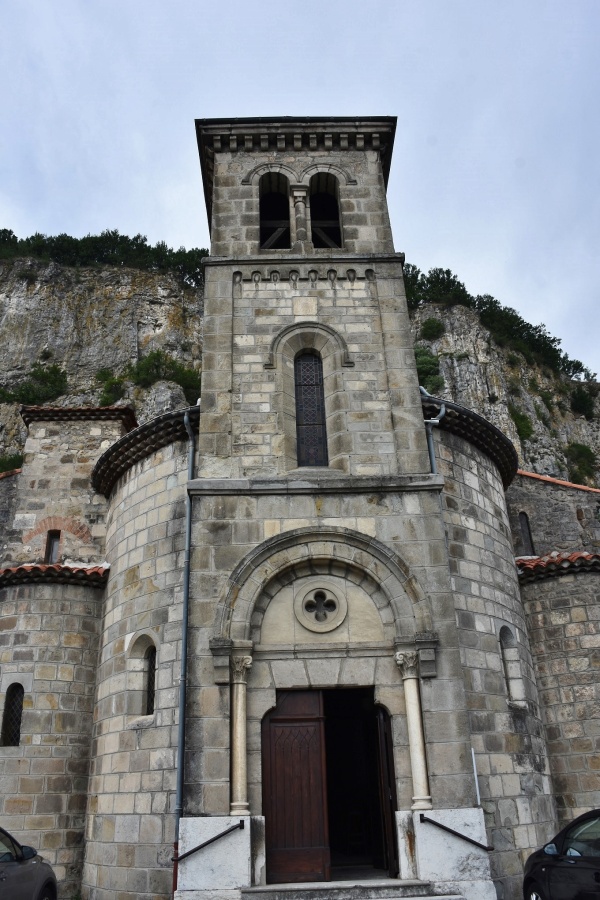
{"type": "Point", "coordinates": [506, 731]}
{"type": "Point", "coordinates": [130, 819]}
{"type": "Point", "coordinates": [55, 493]}
{"type": "Point", "coordinates": [561, 518]}
{"type": "Point", "coordinates": [48, 644]}
{"type": "Point", "coordinates": [563, 616]}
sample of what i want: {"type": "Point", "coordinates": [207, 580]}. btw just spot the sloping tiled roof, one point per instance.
{"type": "Point", "coordinates": [92, 576]}
{"type": "Point", "coordinates": [139, 444]}
{"type": "Point", "coordinates": [549, 480]}
{"type": "Point", "coordinates": [79, 413]}
{"type": "Point", "coordinates": [537, 568]}
{"type": "Point", "coordinates": [10, 472]}
{"type": "Point", "coordinates": [476, 430]}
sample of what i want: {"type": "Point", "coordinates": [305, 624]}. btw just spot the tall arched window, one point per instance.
{"type": "Point", "coordinates": [310, 410]}
{"type": "Point", "coordinates": [526, 537]}
{"type": "Point", "coordinates": [150, 687]}
{"type": "Point", "coordinates": [325, 211]}
{"type": "Point", "coordinates": [13, 712]}
{"type": "Point", "coordinates": [274, 193]}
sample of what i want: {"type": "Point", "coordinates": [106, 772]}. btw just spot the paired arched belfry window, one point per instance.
{"type": "Point", "coordinates": [325, 211]}
{"type": "Point", "coordinates": [310, 410]}
{"type": "Point", "coordinates": [274, 194]}
{"type": "Point", "coordinates": [13, 713]}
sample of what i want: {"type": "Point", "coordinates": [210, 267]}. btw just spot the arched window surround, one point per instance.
{"type": "Point", "coordinates": [330, 346]}
{"type": "Point", "coordinates": [511, 667]}
{"type": "Point", "coordinates": [142, 656]}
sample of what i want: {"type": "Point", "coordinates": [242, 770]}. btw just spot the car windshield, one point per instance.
{"type": "Point", "coordinates": [7, 849]}
{"type": "Point", "coordinates": [583, 839]}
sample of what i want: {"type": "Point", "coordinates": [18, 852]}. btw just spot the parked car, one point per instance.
{"type": "Point", "coordinates": [567, 868]}
{"type": "Point", "coordinates": [24, 874]}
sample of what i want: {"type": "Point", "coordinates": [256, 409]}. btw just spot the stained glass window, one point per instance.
{"type": "Point", "coordinates": [310, 410]}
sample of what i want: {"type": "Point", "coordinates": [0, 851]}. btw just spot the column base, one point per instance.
{"type": "Point", "coordinates": [422, 803]}
{"type": "Point", "coordinates": [239, 809]}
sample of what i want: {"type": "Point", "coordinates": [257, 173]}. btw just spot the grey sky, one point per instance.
{"type": "Point", "coordinates": [496, 165]}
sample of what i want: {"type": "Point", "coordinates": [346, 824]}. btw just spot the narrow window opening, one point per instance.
{"type": "Point", "coordinates": [150, 691]}
{"type": "Point", "coordinates": [325, 211]}
{"type": "Point", "coordinates": [274, 212]}
{"type": "Point", "coordinates": [511, 666]}
{"type": "Point", "coordinates": [52, 545]}
{"type": "Point", "coordinates": [13, 713]}
{"type": "Point", "coordinates": [310, 410]}
{"type": "Point", "coordinates": [526, 538]}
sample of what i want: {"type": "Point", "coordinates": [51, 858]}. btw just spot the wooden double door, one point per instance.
{"type": "Point", "coordinates": [328, 786]}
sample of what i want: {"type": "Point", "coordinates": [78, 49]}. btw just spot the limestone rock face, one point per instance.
{"type": "Point", "coordinates": [490, 379]}
{"type": "Point", "coordinates": [86, 319]}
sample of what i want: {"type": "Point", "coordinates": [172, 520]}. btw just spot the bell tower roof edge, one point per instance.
{"type": "Point", "coordinates": [263, 134]}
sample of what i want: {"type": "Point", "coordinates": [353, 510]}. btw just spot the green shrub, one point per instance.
{"type": "Point", "coordinates": [582, 401]}
{"type": "Point", "coordinates": [522, 422]}
{"type": "Point", "coordinates": [512, 360]}
{"type": "Point", "coordinates": [11, 461]}
{"type": "Point", "coordinates": [582, 462]}
{"type": "Point", "coordinates": [513, 386]}
{"type": "Point", "coordinates": [159, 366]}
{"type": "Point", "coordinates": [43, 385]}
{"type": "Point", "coordinates": [431, 329]}
{"type": "Point", "coordinates": [542, 415]}
{"type": "Point", "coordinates": [113, 389]}
{"type": "Point", "coordinates": [547, 399]}
{"type": "Point", "coordinates": [428, 370]}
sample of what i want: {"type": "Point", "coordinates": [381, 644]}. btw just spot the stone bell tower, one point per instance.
{"type": "Point", "coordinates": [319, 581]}
{"type": "Point", "coordinates": [302, 258]}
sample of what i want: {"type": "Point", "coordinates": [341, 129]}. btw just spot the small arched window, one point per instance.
{"type": "Point", "coordinates": [311, 435]}
{"type": "Point", "coordinates": [13, 713]}
{"type": "Point", "coordinates": [526, 538]}
{"type": "Point", "coordinates": [325, 211]}
{"type": "Point", "coordinates": [274, 194]}
{"type": "Point", "coordinates": [150, 674]}
{"type": "Point", "coordinates": [511, 665]}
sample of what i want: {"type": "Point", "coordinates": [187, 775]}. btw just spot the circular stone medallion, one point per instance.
{"type": "Point", "coordinates": [320, 608]}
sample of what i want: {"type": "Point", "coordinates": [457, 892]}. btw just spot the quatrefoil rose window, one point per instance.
{"type": "Point", "coordinates": [321, 608]}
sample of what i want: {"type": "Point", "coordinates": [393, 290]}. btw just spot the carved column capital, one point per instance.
{"type": "Point", "coordinates": [407, 662]}
{"type": "Point", "coordinates": [240, 666]}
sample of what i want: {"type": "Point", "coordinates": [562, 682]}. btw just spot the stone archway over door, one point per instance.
{"type": "Point", "coordinates": [328, 786]}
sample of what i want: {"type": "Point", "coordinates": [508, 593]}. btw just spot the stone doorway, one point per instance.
{"type": "Point", "coordinates": [328, 787]}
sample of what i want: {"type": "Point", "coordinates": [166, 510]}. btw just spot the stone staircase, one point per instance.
{"type": "Point", "coordinates": [371, 889]}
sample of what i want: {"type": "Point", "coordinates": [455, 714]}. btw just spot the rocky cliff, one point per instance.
{"type": "Point", "coordinates": [87, 319]}
{"type": "Point", "coordinates": [517, 396]}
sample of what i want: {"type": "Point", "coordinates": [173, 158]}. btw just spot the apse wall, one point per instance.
{"type": "Point", "coordinates": [502, 698]}
{"type": "Point", "coordinates": [129, 832]}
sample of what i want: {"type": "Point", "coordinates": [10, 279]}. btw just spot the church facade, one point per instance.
{"type": "Point", "coordinates": [315, 625]}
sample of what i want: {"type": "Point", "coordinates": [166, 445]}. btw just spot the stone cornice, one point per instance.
{"type": "Point", "coordinates": [293, 135]}
{"type": "Point", "coordinates": [89, 576]}
{"type": "Point", "coordinates": [140, 443]}
{"type": "Point", "coordinates": [294, 261]}
{"type": "Point", "coordinates": [476, 430]}
{"type": "Point", "coordinates": [123, 414]}
{"type": "Point", "coordinates": [313, 482]}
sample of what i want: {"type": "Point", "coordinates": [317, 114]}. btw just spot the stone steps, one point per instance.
{"type": "Point", "coordinates": [371, 889]}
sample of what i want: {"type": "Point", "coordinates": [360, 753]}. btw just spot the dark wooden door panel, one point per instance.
{"type": "Point", "coordinates": [387, 791]}
{"type": "Point", "coordinates": [294, 789]}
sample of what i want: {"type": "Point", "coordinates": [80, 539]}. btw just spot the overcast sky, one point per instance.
{"type": "Point", "coordinates": [496, 161]}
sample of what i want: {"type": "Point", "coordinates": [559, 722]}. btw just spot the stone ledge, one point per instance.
{"type": "Point", "coordinates": [325, 482]}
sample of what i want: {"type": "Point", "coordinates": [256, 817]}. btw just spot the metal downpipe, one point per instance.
{"type": "Point", "coordinates": [184, 642]}
{"type": "Point", "coordinates": [429, 423]}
